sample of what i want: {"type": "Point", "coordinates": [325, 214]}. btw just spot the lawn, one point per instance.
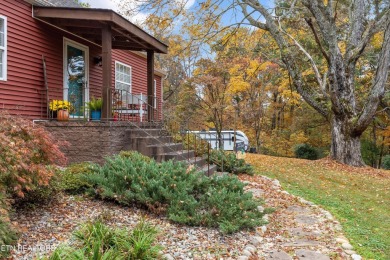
{"type": "Point", "coordinates": [358, 197]}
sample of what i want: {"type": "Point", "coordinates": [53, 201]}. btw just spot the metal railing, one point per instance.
{"type": "Point", "coordinates": [127, 106]}
{"type": "Point", "coordinates": [193, 141]}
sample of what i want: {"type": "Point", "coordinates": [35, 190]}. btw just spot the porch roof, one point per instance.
{"type": "Point", "coordinates": [88, 23]}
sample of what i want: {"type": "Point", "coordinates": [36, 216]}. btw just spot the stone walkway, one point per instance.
{"type": "Point", "coordinates": [297, 229]}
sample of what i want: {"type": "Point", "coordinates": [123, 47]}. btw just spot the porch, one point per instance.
{"type": "Point", "coordinates": [109, 31]}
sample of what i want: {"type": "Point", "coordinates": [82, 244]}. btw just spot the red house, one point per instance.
{"type": "Point", "coordinates": [56, 50]}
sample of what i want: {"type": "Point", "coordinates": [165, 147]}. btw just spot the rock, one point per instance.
{"type": "Point", "coordinates": [304, 219]}
{"type": "Point", "coordinates": [276, 183]}
{"type": "Point", "coordinates": [338, 227]}
{"type": "Point", "coordinates": [306, 202]}
{"type": "Point", "coordinates": [260, 209]}
{"type": "Point", "coordinates": [168, 257]}
{"type": "Point", "coordinates": [328, 215]}
{"type": "Point", "coordinates": [257, 193]}
{"type": "Point", "coordinates": [250, 248]}
{"type": "Point", "coordinates": [346, 246]}
{"type": "Point", "coordinates": [310, 255]}
{"type": "Point", "coordinates": [356, 257]}
{"type": "Point", "coordinates": [246, 253]}
{"type": "Point", "coordinates": [266, 178]}
{"type": "Point", "coordinates": [263, 229]}
{"type": "Point", "coordinates": [299, 232]}
{"type": "Point", "coordinates": [302, 243]}
{"type": "Point", "coordinates": [255, 240]}
{"type": "Point", "coordinates": [243, 257]}
{"type": "Point", "coordinates": [265, 217]}
{"type": "Point", "coordinates": [341, 240]}
{"type": "Point", "coordinates": [298, 209]}
{"type": "Point", "coordinates": [350, 252]}
{"type": "Point", "coordinates": [285, 192]}
{"type": "Point", "coordinates": [278, 255]}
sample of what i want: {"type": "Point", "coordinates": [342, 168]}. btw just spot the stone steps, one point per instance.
{"type": "Point", "coordinates": [158, 144]}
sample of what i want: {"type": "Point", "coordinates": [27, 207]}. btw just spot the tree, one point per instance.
{"type": "Point", "coordinates": [340, 34]}
{"type": "Point", "coordinates": [333, 94]}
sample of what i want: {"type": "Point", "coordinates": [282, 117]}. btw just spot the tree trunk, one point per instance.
{"type": "Point", "coordinates": [345, 147]}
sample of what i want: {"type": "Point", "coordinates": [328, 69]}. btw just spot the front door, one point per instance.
{"type": "Point", "coordinates": [76, 77]}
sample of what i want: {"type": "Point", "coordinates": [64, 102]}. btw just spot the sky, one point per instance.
{"type": "Point", "coordinates": [229, 18]}
{"type": "Point", "coordinates": [106, 4]}
{"type": "Point", "coordinates": [111, 4]}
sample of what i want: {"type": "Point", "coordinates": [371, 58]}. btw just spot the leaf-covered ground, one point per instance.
{"type": "Point", "coordinates": [358, 197]}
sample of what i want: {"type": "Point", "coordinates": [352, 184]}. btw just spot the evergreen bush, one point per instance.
{"type": "Point", "coordinates": [305, 151]}
{"type": "Point", "coordinates": [72, 179]}
{"type": "Point", "coordinates": [386, 162]}
{"type": "Point", "coordinates": [186, 197]}
{"type": "Point", "coordinates": [228, 162]}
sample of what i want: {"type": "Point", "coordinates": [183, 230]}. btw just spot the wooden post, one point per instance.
{"type": "Point", "coordinates": [107, 77]}
{"type": "Point", "coordinates": [150, 75]}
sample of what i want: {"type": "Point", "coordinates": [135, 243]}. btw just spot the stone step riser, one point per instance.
{"type": "Point", "coordinates": [138, 141]}
{"type": "Point", "coordinates": [147, 133]}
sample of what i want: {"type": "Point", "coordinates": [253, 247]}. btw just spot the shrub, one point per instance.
{"type": "Point", "coordinates": [95, 240]}
{"type": "Point", "coordinates": [7, 235]}
{"type": "Point", "coordinates": [72, 179]}
{"type": "Point", "coordinates": [186, 197]}
{"type": "Point", "coordinates": [228, 162]}
{"type": "Point", "coordinates": [25, 152]}
{"type": "Point", "coordinates": [305, 151]}
{"type": "Point", "coordinates": [386, 162]}
{"type": "Point", "coordinates": [133, 155]}
{"type": "Point", "coordinates": [371, 152]}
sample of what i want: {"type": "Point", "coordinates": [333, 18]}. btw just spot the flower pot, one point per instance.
{"type": "Point", "coordinates": [62, 115]}
{"type": "Point", "coordinates": [96, 115]}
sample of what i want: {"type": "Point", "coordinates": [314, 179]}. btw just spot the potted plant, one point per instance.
{"type": "Point", "coordinates": [95, 106]}
{"type": "Point", "coordinates": [60, 109]}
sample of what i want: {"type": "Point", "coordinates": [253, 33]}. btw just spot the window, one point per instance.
{"type": "Point", "coordinates": [3, 48]}
{"type": "Point", "coordinates": [122, 77]}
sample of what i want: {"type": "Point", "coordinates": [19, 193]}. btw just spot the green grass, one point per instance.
{"type": "Point", "coordinates": [358, 197]}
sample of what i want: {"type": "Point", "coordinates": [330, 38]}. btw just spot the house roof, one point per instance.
{"type": "Point", "coordinates": [59, 3]}
{"type": "Point", "coordinates": [88, 23]}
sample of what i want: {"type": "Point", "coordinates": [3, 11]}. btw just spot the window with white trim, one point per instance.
{"type": "Point", "coordinates": [155, 94]}
{"type": "Point", "coordinates": [122, 76]}
{"type": "Point", "coordinates": [3, 48]}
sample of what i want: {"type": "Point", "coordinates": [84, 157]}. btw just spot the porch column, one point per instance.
{"type": "Point", "coordinates": [150, 75]}
{"type": "Point", "coordinates": [107, 77]}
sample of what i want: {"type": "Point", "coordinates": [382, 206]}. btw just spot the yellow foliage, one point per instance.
{"type": "Point", "coordinates": [377, 40]}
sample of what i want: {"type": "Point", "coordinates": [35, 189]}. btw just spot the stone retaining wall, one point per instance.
{"type": "Point", "coordinates": [89, 141]}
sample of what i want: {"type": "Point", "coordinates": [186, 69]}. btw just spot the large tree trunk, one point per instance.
{"type": "Point", "coordinates": [345, 147]}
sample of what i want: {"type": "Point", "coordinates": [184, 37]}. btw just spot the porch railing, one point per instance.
{"type": "Point", "coordinates": [126, 106]}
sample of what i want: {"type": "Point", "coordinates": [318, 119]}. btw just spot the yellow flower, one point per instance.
{"type": "Point", "coordinates": [59, 104]}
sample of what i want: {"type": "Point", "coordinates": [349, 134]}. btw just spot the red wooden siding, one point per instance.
{"type": "Point", "coordinates": [28, 40]}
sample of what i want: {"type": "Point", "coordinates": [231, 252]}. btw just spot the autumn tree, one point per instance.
{"type": "Point", "coordinates": [333, 93]}
{"type": "Point", "coordinates": [325, 71]}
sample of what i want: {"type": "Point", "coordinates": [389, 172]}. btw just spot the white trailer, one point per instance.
{"type": "Point", "coordinates": [242, 141]}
